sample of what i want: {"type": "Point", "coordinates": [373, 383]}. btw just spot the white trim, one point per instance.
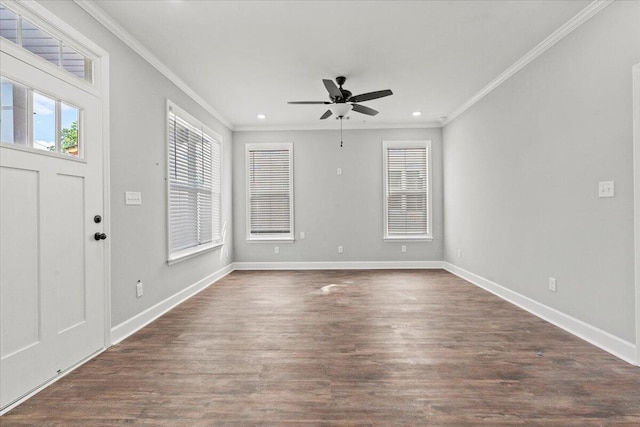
{"type": "Point", "coordinates": [102, 17]}
{"type": "Point", "coordinates": [194, 251]}
{"type": "Point", "coordinates": [330, 127]}
{"type": "Point", "coordinates": [636, 186]}
{"type": "Point", "coordinates": [140, 320]}
{"type": "Point", "coordinates": [602, 339]}
{"type": "Point", "coordinates": [106, 197]}
{"type": "Point", "coordinates": [50, 382]}
{"type": "Point", "coordinates": [583, 16]}
{"type": "Point", "coordinates": [338, 265]}
{"type": "Point", "coordinates": [405, 239]}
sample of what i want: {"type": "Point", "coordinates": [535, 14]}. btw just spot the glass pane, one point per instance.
{"type": "Point", "coordinates": [14, 113]}
{"type": "Point", "coordinates": [76, 63]}
{"type": "Point", "coordinates": [44, 122]}
{"type": "Point", "coordinates": [42, 44]}
{"type": "Point", "coordinates": [69, 142]}
{"type": "Point", "coordinates": [8, 25]}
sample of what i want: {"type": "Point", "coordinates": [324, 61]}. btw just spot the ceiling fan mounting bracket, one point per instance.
{"type": "Point", "coordinates": [340, 80]}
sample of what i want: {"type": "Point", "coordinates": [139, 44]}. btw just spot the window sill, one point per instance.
{"type": "Point", "coordinates": [192, 252]}
{"type": "Point", "coordinates": [270, 240]}
{"type": "Point", "coordinates": [408, 239]}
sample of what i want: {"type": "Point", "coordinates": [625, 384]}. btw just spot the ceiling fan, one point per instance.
{"type": "Point", "coordinates": [343, 101]}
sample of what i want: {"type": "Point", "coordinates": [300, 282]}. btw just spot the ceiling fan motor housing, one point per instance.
{"type": "Point", "coordinates": [345, 93]}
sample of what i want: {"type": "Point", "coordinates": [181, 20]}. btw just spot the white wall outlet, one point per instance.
{"type": "Point", "coordinates": [302, 235]}
{"type": "Point", "coordinates": [552, 284]}
{"type": "Point", "coordinates": [459, 253]}
{"type": "Point", "coordinates": [340, 249]}
{"type": "Point", "coordinates": [276, 250]}
{"type": "Point", "coordinates": [606, 189]}
{"type": "Point", "coordinates": [339, 171]}
{"type": "Point", "coordinates": [403, 248]}
{"type": "Point", "coordinates": [132, 198]}
{"type": "Point", "coordinates": [139, 290]}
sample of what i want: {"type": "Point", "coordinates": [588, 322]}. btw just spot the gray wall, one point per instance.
{"type": "Point", "coordinates": [522, 169]}
{"type": "Point", "coordinates": [336, 210]}
{"type": "Point", "coordinates": [138, 163]}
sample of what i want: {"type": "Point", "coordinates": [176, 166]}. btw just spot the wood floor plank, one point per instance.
{"type": "Point", "coordinates": [344, 348]}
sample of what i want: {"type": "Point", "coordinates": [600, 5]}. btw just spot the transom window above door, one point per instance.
{"type": "Point", "coordinates": [17, 29]}
{"type": "Point", "coordinates": [33, 120]}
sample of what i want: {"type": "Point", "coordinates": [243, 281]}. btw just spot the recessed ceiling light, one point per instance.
{"type": "Point", "coordinates": [261, 116]}
{"type": "Point", "coordinates": [416, 113]}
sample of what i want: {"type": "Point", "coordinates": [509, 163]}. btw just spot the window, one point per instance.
{"type": "Point", "coordinates": [269, 191]}
{"type": "Point", "coordinates": [194, 185]}
{"type": "Point", "coordinates": [407, 198]}
{"type": "Point", "coordinates": [17, 29]}
{"type": "Point", "coordinates": [33, 120]}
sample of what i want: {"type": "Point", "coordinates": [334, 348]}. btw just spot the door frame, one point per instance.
{"type": "Point", "coordinates": [636, 186]}
{"type": "Point", "coordinates": [44, 18]}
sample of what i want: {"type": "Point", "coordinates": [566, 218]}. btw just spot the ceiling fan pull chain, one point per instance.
{"type": "Point", "coordinates": [340, 132]}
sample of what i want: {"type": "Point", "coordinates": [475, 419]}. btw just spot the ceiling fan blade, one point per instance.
{"type": "Point", "coordinates": [370, 95]}
{"type": "Point", "coordinates": [308, 102]}
{"type": "Point", "coordinates": [364, 110]}
{"type": "Point", "coordinates": [326, 114]}
{"type": "Point", "coordinates": [332, 88]}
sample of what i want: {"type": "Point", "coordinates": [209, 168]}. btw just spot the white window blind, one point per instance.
{"type": "Point", "coordinates": [269, 191]}
{"type": "Point", "coordinates": [407, 198]}
{"type": "Point", "coordinates": [194, 185]}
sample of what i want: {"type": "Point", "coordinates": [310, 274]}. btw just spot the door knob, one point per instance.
{"type": "Point", "coordinates": [100, 236]}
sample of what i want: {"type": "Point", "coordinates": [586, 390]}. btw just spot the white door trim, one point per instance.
{"type": "Point", "coordinates": [636, 186]}
{"type": "Point", "coordinates": [106, 204]}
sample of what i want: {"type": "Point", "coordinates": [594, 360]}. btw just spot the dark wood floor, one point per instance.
{"type": "Point", "coordinates": [379, 348]}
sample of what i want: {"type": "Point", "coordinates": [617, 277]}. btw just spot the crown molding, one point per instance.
{"type": "Point", "coordinates": [583, 16]}
{"type": "Point", "coordinates": [348, 127]}
{"type": "Point", "coordinates": [102, 17]}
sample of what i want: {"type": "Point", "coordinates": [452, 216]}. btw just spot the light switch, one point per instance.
{"type": "Point", "coordinates": [339, 171]}
{"type": "Point", "coordinates": [133, 198]}
{"type": "Point", "coordinates": [606, 189]}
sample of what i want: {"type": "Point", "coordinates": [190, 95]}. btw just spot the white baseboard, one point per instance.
{"type": "Point", "coordinates": [139, 321]}
{"type": "Point", "coordinates": [604, 340]}
{"type": "Point", "coordinates": [338, 265]}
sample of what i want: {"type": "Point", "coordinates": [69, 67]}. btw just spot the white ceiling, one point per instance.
{"type": "Point", "coordinates": [250, 57]}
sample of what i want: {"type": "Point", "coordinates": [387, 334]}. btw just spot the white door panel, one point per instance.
{"type": "Point", "coordinates": [51, 267]}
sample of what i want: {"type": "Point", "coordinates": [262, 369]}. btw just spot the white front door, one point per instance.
{"type": "Point", "coordinates": [51, 266]}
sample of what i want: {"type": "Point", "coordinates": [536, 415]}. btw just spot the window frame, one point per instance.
{"type": "Point", "coordinates": [257, 238]}
{"type": "Point", "coordinates": [186, 253]}
{"type": "Point", "coordinates": [428, 236]}
{"type": "Point", "coordinates": [29, 146]}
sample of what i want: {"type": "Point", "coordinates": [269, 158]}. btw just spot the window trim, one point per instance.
{"type": "Point", "coordinates": [251, 238]}
{"type": "Point", "coordinates": [184, 254]}
{"type": "Point", "coordinates": [385, 194]}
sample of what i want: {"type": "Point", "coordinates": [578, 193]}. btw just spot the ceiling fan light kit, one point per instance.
{"type": "Point", "coordinates": [343, 101]}
{"type": "Point", "coordinates": [340, 110]}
